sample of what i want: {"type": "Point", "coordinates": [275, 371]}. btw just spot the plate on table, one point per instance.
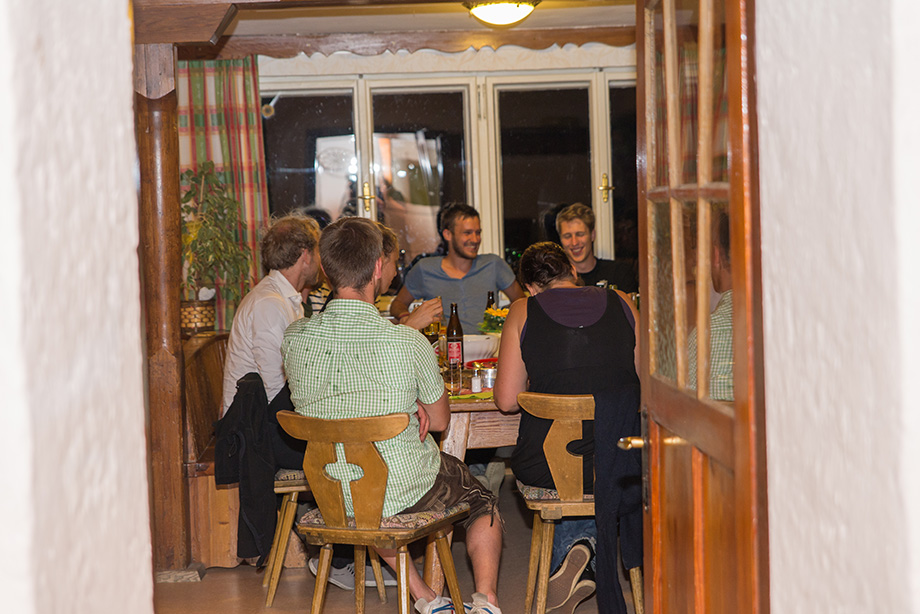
{"type": "Point", "coordinates": [483, 363]}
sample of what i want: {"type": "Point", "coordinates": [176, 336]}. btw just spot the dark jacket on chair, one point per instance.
{"type": "Point", "coordinates": [617, 492]}
{"type": "Point", "coordinates": [243, 453]}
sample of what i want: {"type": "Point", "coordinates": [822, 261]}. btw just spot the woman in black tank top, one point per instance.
{"type": "Point", "coordinates": [564, 339]}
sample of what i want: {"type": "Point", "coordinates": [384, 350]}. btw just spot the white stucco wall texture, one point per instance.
{"type": "Point", "coordinates": [837, 129]}
{"type": "Point", "coordinates": [74, 508]}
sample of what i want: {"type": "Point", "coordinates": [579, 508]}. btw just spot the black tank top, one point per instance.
{"type": "Point", "coordinates": [572, 359]}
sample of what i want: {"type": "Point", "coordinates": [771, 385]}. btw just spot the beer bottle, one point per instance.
{"type": "Point", "coordinates": [490, 302]}
{"type": "Point", "coordinates": [454, 336]}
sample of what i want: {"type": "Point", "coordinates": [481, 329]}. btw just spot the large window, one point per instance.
{"type": "Point", "coordinates": [517, 148]}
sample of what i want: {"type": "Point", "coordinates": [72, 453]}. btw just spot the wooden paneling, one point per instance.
{"type": "Point", "coordinates": [213, 522]}
{"type": "Point", "coordinates": [676, 578]}
{"type": "Point", "coordinates": [372, 43]}
{"type": "Point", "coordinates": [716, 531]}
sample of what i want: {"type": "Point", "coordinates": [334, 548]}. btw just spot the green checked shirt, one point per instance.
{"type": "Point", "coordinates": [349, 362]}
{"type": "Point", "coordinates": [721, 355]}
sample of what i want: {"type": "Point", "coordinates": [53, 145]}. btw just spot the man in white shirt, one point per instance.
{"type": "Point", "coordinates": [290, 254]}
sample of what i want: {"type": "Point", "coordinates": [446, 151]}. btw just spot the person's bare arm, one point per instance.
{"type": "Point", "coordinates": [438, 413]}
{"type": "Point", "coordinates": [422, 417]}
{"type": "Point", "coordinates": [512, 373]}
{"type": "Point", "coordinates": [399, 308]}
{"type": "Point", "coordinates": [426, 313]}
{"type": "Point", "coordinates": [514, 291]}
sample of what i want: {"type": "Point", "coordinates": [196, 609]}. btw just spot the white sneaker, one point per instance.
{"type": "Point", "coordinates": [440, 605]}
{"type": "Point", "coordinates": [481, 605]}
{"type": "Point", "coordinates": [388, 578]}
{"type": "Point", "coordinates": [345, 578]}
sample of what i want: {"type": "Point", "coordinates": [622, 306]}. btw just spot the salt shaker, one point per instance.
{"type": "Point", "coordinates": [476, 382]}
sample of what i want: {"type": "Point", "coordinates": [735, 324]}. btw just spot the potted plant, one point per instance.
{"type": "Point", "coordinates": [215, 261]}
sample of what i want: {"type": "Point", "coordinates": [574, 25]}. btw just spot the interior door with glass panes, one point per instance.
{"type": "Point", "coordinates": [701, 337]}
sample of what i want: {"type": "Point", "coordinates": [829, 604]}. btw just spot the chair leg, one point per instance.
{"type": "Point", "coordinates": [279, 548]}
{"type": "Point", "coordinates": [635, 580]}
{"type": "Point", "coordinates": [533, 566]}
{"type": "Point", "coordinates": [360, 555]}
{"type": "Point", "coordinates": [275, 540]}
{"type": "Point", "coordinates": [450, 571]}
{"type": "Point", "coordinates": [402, 575]}
{"type": "Point", "coordinates": [548, 528]}
{"type": "Point", "coordinates": [378, 575]}
{"type": "Point", "coordinates": [322, 579]}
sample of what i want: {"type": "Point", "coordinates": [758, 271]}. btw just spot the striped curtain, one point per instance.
{"type": "Point", "coordinates": [220, 120]}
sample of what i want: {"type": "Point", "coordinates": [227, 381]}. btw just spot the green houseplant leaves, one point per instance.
{"type": "Point", "coordinates": [213, 254]}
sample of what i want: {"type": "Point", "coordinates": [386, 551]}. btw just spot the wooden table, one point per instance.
{"type": "Point", "coordinates": [474, 423]}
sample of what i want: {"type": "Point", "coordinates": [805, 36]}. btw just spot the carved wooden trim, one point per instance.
{"type": "Point", "coordinates": [369, 43]}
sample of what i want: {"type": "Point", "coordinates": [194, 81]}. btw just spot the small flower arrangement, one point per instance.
{"type": "Point", "coordinates": [493, 320]}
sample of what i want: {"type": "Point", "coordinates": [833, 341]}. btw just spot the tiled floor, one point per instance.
{"type": "Point", "coordinates": [239, 590]}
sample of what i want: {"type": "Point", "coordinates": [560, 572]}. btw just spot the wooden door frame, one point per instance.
{"type": "Point", "coordinates": [194, 29]}
{"type": "Point", "coordinates": [747, 431]}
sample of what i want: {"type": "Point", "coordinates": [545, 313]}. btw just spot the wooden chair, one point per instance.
{"type": "Point", "coordinates": [290, 484]}
{"type": "Point", "coordinates": [567, 413]}
{"type": "Point", "coordinates": [329, 524]}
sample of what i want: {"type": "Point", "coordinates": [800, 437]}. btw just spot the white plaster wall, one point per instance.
{"type": "Point", "coordinates": [73, 509]}
{"type": "Point", "coordinates": [838, 166]}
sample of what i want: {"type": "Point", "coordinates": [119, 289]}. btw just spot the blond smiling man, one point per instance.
{"type": "Point", "coordinates": [575, 225]}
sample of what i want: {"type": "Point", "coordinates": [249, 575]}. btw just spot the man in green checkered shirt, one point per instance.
{"type": "Point", "coordinates": [348, 362]}
{"type": "Point", "coordinates": [721, 353]}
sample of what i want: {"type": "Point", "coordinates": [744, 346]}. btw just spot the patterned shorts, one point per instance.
{"type": "Point", "coordinates": [454, 485]}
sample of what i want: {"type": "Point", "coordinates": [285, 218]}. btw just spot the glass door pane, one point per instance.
{"type": "Point", "coordinates": [623, 179]}
{"type": "Point", "coordinates": [545, 161]}
{"type": "Point", "coordinates": [310, 153]}
{"type": "Point", "coordinates": [419, 163]}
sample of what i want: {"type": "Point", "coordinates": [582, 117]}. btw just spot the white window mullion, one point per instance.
{"type": "Point", "coordinates": [488, 166]}
{"type": "Point", "coordinates": [601, 164]}
{"type": "Point", "coordinates": [364, 139]}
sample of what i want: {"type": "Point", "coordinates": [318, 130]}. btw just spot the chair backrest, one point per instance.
{"type": "Point", "coordinates": [567, 413]}
{"type": "Point", "coordinates": [204, 381]}
{"type": "Point", "coordinates": [358, 436]}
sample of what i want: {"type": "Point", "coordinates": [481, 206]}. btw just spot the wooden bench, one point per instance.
{"type": "Point", "coordinates": [213, 510]}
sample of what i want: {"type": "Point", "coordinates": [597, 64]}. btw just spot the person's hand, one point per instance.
{"type": "Point", "coordinates": [422, 416]}
{"type": "Point", "coordinates": [423, 315]}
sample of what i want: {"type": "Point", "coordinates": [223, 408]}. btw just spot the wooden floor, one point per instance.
{"type": "Point", "coordinates": [239, 590]}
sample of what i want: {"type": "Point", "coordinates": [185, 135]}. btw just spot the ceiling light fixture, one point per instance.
{"type": "Point", "coordinates": [500, 14]}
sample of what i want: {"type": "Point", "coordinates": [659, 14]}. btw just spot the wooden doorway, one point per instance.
{"type": "Point", "coordinates": [702, 348]}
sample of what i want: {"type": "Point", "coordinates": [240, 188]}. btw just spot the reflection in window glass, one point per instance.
{"type": "Point", "coordinates": [309, 153]}
{"type": "Point", "coordinates": [419, 163]}
{"type": "Point", "coordinates": [545, 161]}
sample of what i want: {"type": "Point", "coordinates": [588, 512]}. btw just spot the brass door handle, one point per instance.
{"type": "Point", "coordinates": [637, 443]}
{"type": "Point", "coordinates": [605, 187]}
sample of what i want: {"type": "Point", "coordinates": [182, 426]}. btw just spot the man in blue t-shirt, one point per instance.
{"type": "Point", "coordinates": [462, 276]}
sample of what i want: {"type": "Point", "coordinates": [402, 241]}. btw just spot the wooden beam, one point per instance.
{"type": "Point", "coordinates": [372, 43]}
{"type": "Point", "coordinates": [160, 256]}
{"type": "Point", "coordinates": [202, 23]}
